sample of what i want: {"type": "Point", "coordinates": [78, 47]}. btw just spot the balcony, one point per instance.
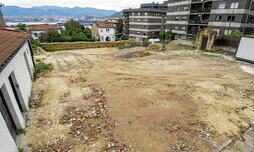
{"type": "Point", "coordinates": [200, 11]}
{"type": "Point", "coordinates": [192, 21]}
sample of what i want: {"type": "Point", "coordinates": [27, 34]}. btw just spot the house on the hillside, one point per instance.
{"type": "Point", "coordinates": [16, 75]}
{"type": "Point", "coordinates": [113, 21]}
{"type": "Point", "coordinates": [102, 31]}
{"type": "Point", "coordinates": [36, 30]}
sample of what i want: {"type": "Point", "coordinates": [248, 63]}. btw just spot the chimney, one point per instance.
{"type": "Point", "coordinates": [2, 24]}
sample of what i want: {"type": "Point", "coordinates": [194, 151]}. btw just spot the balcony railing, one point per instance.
{"type": "Point", "coordinates": [198, 21]}
{"type": "Point", "coordinates": [205, 10]}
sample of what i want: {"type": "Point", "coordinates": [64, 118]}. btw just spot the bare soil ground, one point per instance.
{"type": "Point", "coordinates": [95, 101]}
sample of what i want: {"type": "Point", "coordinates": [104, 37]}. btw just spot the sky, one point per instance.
{"type": "Point", "coordinates": [100, 4]}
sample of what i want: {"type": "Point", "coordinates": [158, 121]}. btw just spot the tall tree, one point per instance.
{"type": "Point", "coordinates": [22, 27]}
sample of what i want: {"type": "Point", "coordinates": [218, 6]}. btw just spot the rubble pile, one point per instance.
{"type": "Point", "coordinates": [89, 124]}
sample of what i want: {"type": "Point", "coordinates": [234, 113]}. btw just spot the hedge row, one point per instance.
{"type": "Point", "coordinates": [85, 45]}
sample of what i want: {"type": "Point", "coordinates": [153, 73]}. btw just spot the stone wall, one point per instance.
{"type": "Point", "coordinates": [85, 45]}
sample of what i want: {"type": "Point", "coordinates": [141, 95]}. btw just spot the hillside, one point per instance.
{"type": "Point", "coordinates": [55, 11]}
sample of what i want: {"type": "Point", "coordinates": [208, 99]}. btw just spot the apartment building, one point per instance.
{"type": "Point", "coordinates": [145, 22]}
{"type": "Point", "coordinates": [186, 17]}
{"type": "Point", "coordinates": [161, 6]}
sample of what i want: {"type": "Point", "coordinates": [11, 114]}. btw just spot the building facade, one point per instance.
{"type": "Point", "coordinates": [16, 75]}
{"type": "Point", "coordinates": [186, 17]}
{"type": "Point", "coordinates": [37, 30]}
{"type": "Point", "coordinates": [143, 23]}
{"type": "Point", "coordinates": [113, 21]}
{"type": "Point", "coordinates": [103, 32]}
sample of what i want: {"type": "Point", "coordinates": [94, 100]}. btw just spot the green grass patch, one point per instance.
{"type": "Point", "coordinates": [20, 131]}
{"type": "Point", "coordinates": [42, 68]}
{"type": "Point", "coordinates": [211, 55]}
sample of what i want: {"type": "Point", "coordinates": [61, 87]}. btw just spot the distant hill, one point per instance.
{"type": "Point", "coordinates": [55, 11]}
{"type": "Point", "coordinates": [116, 15]}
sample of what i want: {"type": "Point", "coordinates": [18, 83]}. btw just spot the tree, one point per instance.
{"type": "Point", "coordinates": [119, 27]}
{"type": "Point", "coordinates": [167, 36]}
{"type": "Point", "coordinates": [50, 36]}
{"type": "Point", "coordinates": [22, 27]}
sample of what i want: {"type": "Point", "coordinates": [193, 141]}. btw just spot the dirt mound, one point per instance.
{"type": "Point", "coordinates": [156, 47]}
{"type": "Point", "coordinates": [178, 45]}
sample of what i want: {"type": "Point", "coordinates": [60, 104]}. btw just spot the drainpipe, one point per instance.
{"type": "Point", "coordinates": [244, 27]}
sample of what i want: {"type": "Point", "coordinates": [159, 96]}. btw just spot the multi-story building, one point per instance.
{"type": "Point", "coordinates": [186, 17]}
{"type": "Point", "coordinates": [143, 23]}
{"type": "Point", "coordinates": [161, 6]}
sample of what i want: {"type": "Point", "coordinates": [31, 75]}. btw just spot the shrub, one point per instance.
{"type": "Point", "coordinates": [42, 68]}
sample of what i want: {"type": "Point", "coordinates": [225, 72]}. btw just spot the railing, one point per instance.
{"type": "Point", "coordinates": [205, 10]}
{"type": "Point", "coordinates": [198, 21]}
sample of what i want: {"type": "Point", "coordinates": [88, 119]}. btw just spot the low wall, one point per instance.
{"type": "Point", "coordinates": [85, 45]}
{"type": "Point", "coordinates": [227, 41]}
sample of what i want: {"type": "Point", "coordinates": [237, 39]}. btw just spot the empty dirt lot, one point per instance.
{"type": "Point", "coordinates": [173, 101]}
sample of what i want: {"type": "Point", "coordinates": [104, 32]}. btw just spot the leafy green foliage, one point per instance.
{"type": "Point", "coordinates": [236, 34]}
{"type": "Point", "coordinates": [167, 36]}
{"type": "Point", "coordinates": [22, 27]}
{"type": "Point", "coordinates": [74, 31]}
{"type": "Point", "coordinates": [20, 131]}
{"type": "Point", "coordinates": [41, 68]}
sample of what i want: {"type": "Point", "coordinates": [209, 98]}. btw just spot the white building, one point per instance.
{"type": "Point", "coordinates": [36, 30]}
{"type": "Point", "coordinates": [103, 32]}
{"type": "Point", "coordinates": [16, 74]}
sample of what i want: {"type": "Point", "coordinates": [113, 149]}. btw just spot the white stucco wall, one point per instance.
{"type": "Point", "coordinates": [18, 66]}
{"type": "Point", "coordinates": [104, 34]}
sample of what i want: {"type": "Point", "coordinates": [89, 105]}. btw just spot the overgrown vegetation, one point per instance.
{"type": "Point", "coordinates": [236, 34]}
{"type": "Point", "coordinates": [74, 31]}
{"type": "Point", "coordinates": [42, 68]}
{"type": "Point", "coordinates": [167, 36]}
{"type": "Point", "coordinates": [59, 46]}
{"type": "Point", "coordinates": [119, 31]}
{"type": "Point", "coordinates": [20, 131]}
{"type": "Point", "coordinates": [131, 45]}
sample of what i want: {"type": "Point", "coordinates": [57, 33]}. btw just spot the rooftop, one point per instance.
{"type": "Point", "coordinates": [43, 27]}
{"type": "Point", "coordinates": [103, 25]}
{"type": "Point", "coordinates": [144, 10]}
{"type": "Point", "coordinates": [10, 42]}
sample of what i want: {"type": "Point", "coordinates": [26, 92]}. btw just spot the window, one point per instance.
{"type": "Point", "coordinates": [222, 5]}
{"type": "Point", "coordinates": [145, 20]}
{"type": "Point", "coordinates": [184, 18]}
{"type": "Point", "coordinates": [107, 30]}
{"type": "Point", "coordinates": [231, 18]}
{"type": "Point", "coordinates": [234, 5]}
{"type": "Point", "coordinates": [186, 8]}
{"type": "Point", "coordinates": [183, 28]}
{"type": "Point", "coordinates": [145, 13]}
{"type": "Point", "coordinates": [138, 20]}
{"type": "Point", "coordinates": [218, 18]}
{"type": "Point", "coordinates": [177, 18]}
{"type": "Point", "coordinates": [178, 8]}
{"type": "Point", "coordinates": [36, 34]}
{"type": "Point", "coordinates": [176, 27]}
{"type": "Point", "coordinates": [138, 13]}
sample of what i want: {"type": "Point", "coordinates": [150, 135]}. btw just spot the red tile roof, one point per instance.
{"type": "Point", "coordinates": [103, 25]}
{"type": "Point", "coordinates": [10, 41]}
{"type": "Point", "coordinates": [111, 22]}
{"type": "Point", "coordinates": [43, 27]}
{"type": "Point", "coordinates": [114, 18]}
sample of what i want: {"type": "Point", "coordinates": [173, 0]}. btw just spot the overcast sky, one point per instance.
{"type": "Point", "coordinates": [101, 4]}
